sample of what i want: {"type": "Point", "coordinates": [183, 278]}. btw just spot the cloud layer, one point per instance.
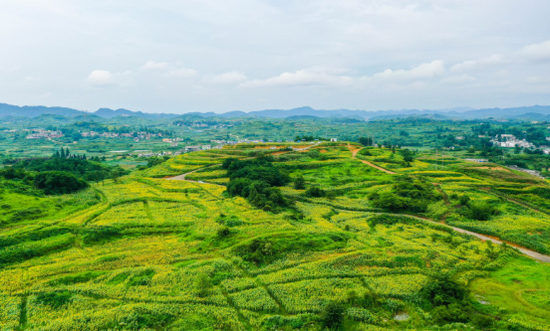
{"type": "Point", "coordinates": [251, 54]}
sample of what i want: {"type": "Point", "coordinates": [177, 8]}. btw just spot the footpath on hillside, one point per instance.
{"type": "Point", "coordinates": [354, 153]}
{"type": "Point", "coordinates": [526, 251]}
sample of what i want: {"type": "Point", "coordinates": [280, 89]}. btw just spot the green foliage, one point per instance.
{"type": "Point", "coordinates": [315, 192]}
{"type": "Point", "coordinates": [79, 167]}
{"type": "Point", "coordinates": [82, 277]}
{"type": "Point", "coordinates": [254, 180]}
{"type": "Point", "coordinates": [479, 210]}
{"type": "Point", "coordinates": [98, 234]}
{"type": "Point", "coordinates": [300, 183]}
{"type": "Point", "coordinates": [202, 285]}
{"type": "Point", "coordinates": [464, 199]}
{"type": "Point", "coordinates": [142, 278]}
{"type": "Point", "coordinates": [365, 141]}
{"type": "Point", "coordinates": [407, 194]}
{"type": "Point", "coordinates": [279, 322]}
{"type": "Point", "coordinates": [262, 251]}
{"type": "Point", "coordinates": [333, 316]}
{"type": "Point", "coordinates": [55, 300]}
{"type": "Point", "coordinates": [155, 160]}
{"type": "Point", "coordinates": [453, 313]}
{"type": "Point", "coordinates": [444, 292]}
{"type": "Point", "coordinates": [59, 182]}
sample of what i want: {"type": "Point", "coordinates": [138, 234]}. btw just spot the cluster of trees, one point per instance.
{"type": "Point", "coordinates": [257, 181]}
{"type": "Point", "coordinates": [451, 305]}
{"type": "Point", "coordinates": [50, 182]}
{"type": "Point", "coordinates": [66, 154]}
{"type": "Point", "coordinates": [79, 167]}
{"type": "Point", "coordinates": [476, 210]}
{"type": "Point", "coordinates": [58, 182]}
{"type": "Point", "coordinates": [308, 138]}
{"type": "Point", "coordinates": [407, 193]}
{"type": "Point", "coordinates": [60, 174]}
{"type": "Point", "coordinates": [366, 141]}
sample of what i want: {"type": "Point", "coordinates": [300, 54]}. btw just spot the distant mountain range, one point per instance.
{"type": "Point", "coordinates": [540, 113]}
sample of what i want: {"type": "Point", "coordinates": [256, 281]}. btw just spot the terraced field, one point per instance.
{"type": "Point", "coordinates": [147, 253]}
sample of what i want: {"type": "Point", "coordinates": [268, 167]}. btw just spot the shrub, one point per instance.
{"type": "Point", "coordinates": [443, 292]}
{"type": "Point", "coordinates": [315, 192]}
{"type": "Point", "coordinates": [300, 183]}
{"type": "Point", "coordinates": [463, 200]}
{"type": "Point", "coordinates": [55, 299]}
{"type": "Point", "coordinates": [332, 316]}
{"type": "Point", "coordinates": [98, 234]}
{"type": "Point", "coordinates": [202, 285]}
{"type": "Point", "coordinates": [58, 182]}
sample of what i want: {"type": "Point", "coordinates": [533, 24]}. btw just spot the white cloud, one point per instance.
{"type": "Point", "coordinates": [461, 79]}
{"type": "Point", "coordinates": [169, 69]}
{"type": "Point", "coordinates": [423, 71]}
{"type": "Point", "coordinates": [303, 77]}
{"type": "Point", "coordinates": [232, 77]}
{"type": "Point", "coordinates": [101, 78]}
{"type": "Point", "coordinates": [182, 73]}
{"type": "Point", "coordinates": [152, 65]}
{"type": "Point", "coordinates": [536, 52]}
{"type": "Point", "coordinates": [471, 64]}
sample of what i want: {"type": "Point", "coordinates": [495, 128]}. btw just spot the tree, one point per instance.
{"type": "Point", "coordinates": [202, 285]}
{"type": "Point", "coordinates": [408, 156]}
{"type": "Point", "coordinates": [115, 174]}
{"type": "Point", "coordinates": [464, 199]}
{"type": "Point", "coordinates": [58, 182]}
{"type": "Point", "coordinates": [332, 316]}
{"type": "Point", "coordinates": [315, 192]}
{"type": "Point", "coordinates": [300, 183]}
{"type": "Point", "coordinates": [365, 141]}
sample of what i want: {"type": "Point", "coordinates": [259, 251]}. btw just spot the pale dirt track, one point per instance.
{"type": "Point", "coordinates": [528, 252]}
{"type": "Point", "coordinates": [354, 153]}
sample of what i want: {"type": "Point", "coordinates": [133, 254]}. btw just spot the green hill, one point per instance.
{"type": "Point", "coordinates": [362, 245]}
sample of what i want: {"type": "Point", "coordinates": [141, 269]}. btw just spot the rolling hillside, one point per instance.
{"type": "Point", "coordinates": [156, 250]}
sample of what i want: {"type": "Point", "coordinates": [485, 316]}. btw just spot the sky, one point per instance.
{"type": "Point", "coordinates": [224, 55]}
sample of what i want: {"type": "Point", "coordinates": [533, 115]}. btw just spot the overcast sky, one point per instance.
{"type": "Point", "coordinates": [223, 55]}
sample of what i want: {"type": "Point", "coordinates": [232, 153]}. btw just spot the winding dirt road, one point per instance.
{"type": "Point", "coordinates": [354, 153]}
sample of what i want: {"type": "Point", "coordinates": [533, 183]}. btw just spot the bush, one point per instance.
{"type": "Point", "coordinates": [444, 292]}
{"type": "Point", "coordinates": [479, 210]}
{"type": "Point", "coordinates": [463, 200]}
{"type": "Point", "coordinates": [315, 192]}
{"type": "Point", "coordinates": [58, 182]}
{"type": "Point", "coordinates": [98, 234]}
{"type": "Point", "coordinates": [202, 285]}
{"type": "Point", "coordinates": [55, 299]}
{"type": "Point", "coordinates": [454, 313]}
{"type": "Point", "coordinates": [300, 183]}
{"type": "Point", "coordinates": [332, 316]}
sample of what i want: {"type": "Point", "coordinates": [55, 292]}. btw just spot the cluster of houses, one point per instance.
{"type": "Point", "coordinates": [45, 134]}
{"type": "Point", "coordinates": [509, 140]}
{"type": "Point", "coordinates": [136, 135]}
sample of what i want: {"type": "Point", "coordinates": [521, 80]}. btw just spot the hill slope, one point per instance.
{"type": "Point", "coordinates": [148, 253]}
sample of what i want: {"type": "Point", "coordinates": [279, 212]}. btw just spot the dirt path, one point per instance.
{"type": "Point", "coordinates": [526, 251]}
{"type": "Point", "coordinates": [182, 177]}
{"type": "Point", "coordinates": [519, 203]}
{"type": "Point", "coordinates": [354, 153]}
